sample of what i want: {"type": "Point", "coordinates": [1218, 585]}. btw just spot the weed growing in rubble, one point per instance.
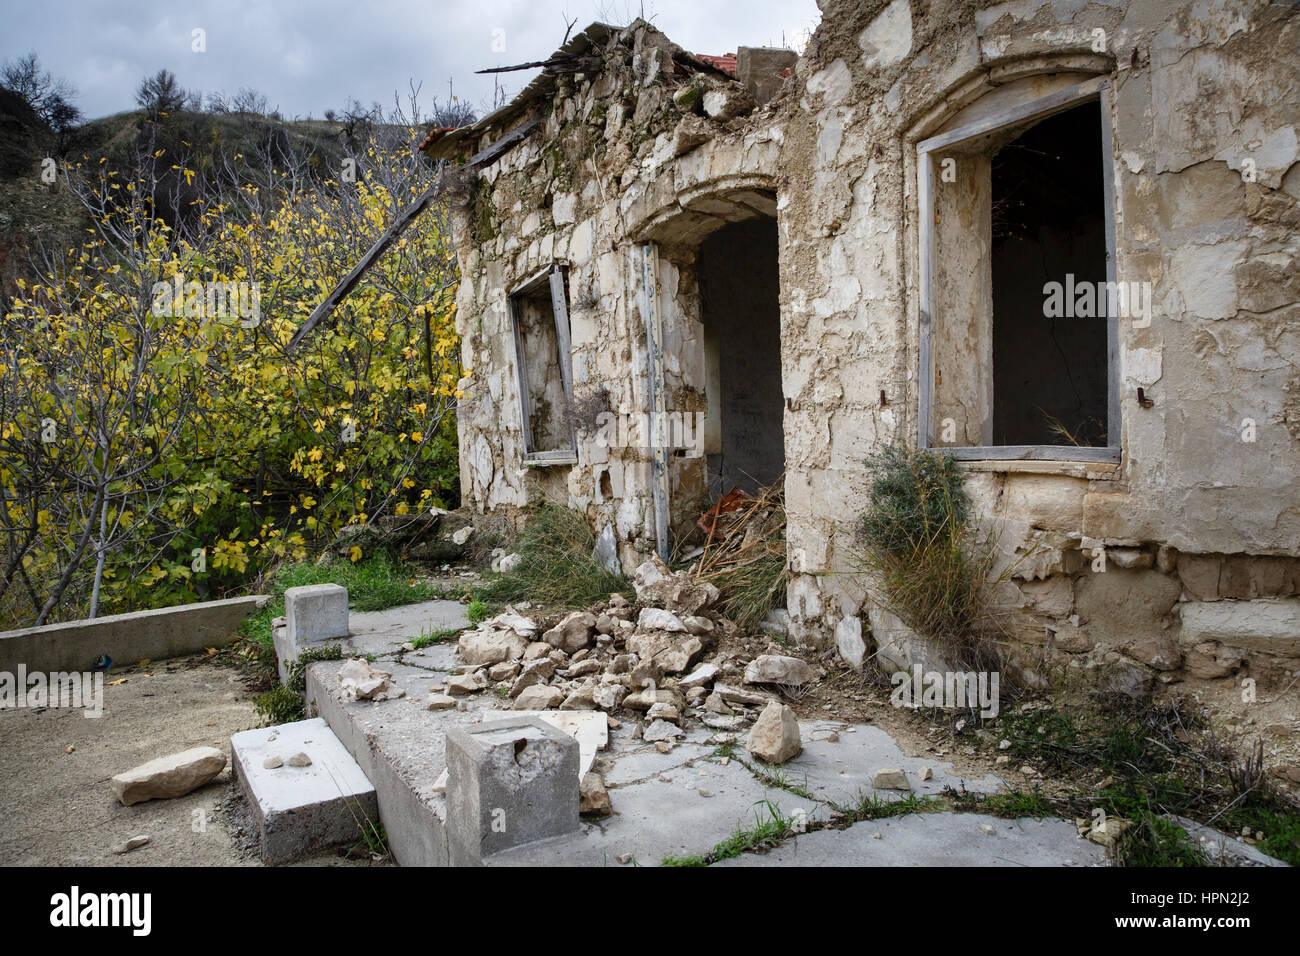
{"type": "Point", "coordinates": [777, 777]}
{"type": "Point", "coordinates": [925, 557]}
{"type": "Point", "coordinates": [429, 638]}
{"type": "Point", "coordinates": [286, 702]}
{"type": "Point", "coordinates": [556, 567]}
{"type": "Point", "coordinates": [476, 611]}
{"type": "Point", "coordinates": [872, 806]}
{"type": "Point", "coordinates": [1012, 805]}
{"type": "Point", "coordinates": [1155, 762]}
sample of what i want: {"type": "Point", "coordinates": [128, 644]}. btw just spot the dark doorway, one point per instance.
{"type": "Point", "coordinates": [740, 310]}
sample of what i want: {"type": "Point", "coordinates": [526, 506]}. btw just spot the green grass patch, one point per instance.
{"type": "Point", "coordinates": [1013, 805]}
{"type": "Point", "coordinates": [1156, 760]}
{"type": "Point", "coordinates": [476, 611]}
{"type": "Point", "coordinates": [768, 831]}
{"type": "Point", "coordinates": [429, 638]}
{"type": "Point", "coordinates": [872, 806]}
{"type": "Point", "coordinates": [286, 702]}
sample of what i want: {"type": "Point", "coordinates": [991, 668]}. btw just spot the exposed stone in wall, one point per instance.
{"type": "Point", "coordinates": [1204, 505]}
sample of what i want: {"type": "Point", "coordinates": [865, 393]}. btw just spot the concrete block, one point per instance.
{"type": "Point", "coordinates": [510, 782]}
{"type": "Point", "coordinates": [317, 612]}
{"type": "Point", "coordinates": [589, 727]}
{"type": "Point", "coordinates": [286, 650]}
{"type": "Point", "coordinates": [763, 69]}
{"type": "Point", "coordinates": [302, 809]}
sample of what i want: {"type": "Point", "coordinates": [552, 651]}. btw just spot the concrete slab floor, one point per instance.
{"type": "Point", "coordinates": [935, 839]}
{"type": "Point", "coordinates": [382, 633]}
{"type": "Point", "coordinates": [686, 802]}
{"type": "Point", "coordinates": [677, 804]}
{"type": "Point", "coordinates": [58, 808]}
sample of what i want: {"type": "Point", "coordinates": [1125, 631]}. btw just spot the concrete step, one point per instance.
{"type": "Point", "coordinates": [302, 807]}
{"type": "Point", "coordinates": [401, 747]}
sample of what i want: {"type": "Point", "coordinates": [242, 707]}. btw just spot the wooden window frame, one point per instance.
{"type": "Point", "coordinates": [1097, 89]}
{"type": "Point", "coordinates": [556, 277]}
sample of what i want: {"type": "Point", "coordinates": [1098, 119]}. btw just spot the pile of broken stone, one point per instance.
{"type": "Point", "coordinates": [657, 661]}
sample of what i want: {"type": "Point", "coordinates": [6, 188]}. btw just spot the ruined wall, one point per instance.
{"type": "Point", "coordinates": [1200, 520]}
{"type": "Point", "coordinates": [1178, 561]}
{"type": "Point", "coordinates": [637, 152]}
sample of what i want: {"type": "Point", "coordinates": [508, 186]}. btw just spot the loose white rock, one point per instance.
{"type": "Point", "coordinates": [890, 778]}
{"type": "Point", "coordinates": [172, 776]}
{"type": "Point", "coordinates": [774, 737]}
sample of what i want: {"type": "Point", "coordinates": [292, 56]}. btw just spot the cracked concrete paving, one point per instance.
{"type": "Point", "coordinates": [684, 802]}
{"type": "Point", "coordinates": [935, 839]}
{"type": "Point", "coordinates": [382, 633]}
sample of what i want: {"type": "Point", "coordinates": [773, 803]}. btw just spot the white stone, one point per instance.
{"type": "Point", "coordinates": [490, 646]}
{"type": "Point", "coordinates": [539, 697]}
{"type": "Point", "coordinates": [573, 633]}
{"type": "Point", "coordinates": [462, 684]}
{"type": "Point", "coordinates": [774, 737]}
{"type": "Point", "coordinates": [1269, 625]}
{"type": "Point", "coordinates": [833, 82]}
{"type": "Point", "coordinates": [172, 776]}
{"type": "Point", "coordinates": [657, 619]}
{"type": "Point", "coordinates": [662, 730]}
{"type": "Point", "coordinates": [563, 208]}
{"type": "Point", "coordinates": [360, 681]}
{"type": "Point", "coordinates": [889, 37]}
{"type": "Point", "coordinates": [701, 676]}
{"type": "Point", "coordinates": [848, 641]}
{"type": "Point", "coordinates": [777, 669]}
{"type": "Point", "coordinates": [890, 778]}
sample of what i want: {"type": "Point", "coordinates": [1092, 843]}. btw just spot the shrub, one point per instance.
{"type": "Point", "coordinates": [556, 566]}
{"type": "Point", "coordinates": [926, 559]}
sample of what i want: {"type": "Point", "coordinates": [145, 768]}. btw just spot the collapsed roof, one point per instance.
{"type": "Point", "coordinates": [584, 53]}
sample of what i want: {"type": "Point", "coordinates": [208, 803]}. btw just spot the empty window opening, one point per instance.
{"type": "Point", "coordinates": [739, 285]}
{"type": "Point", "coordinates": [1048, 226]}
{"type": "Point", "coordinates": [1018, 335]}
{"type": "Point", "coordinates": [540, 315]}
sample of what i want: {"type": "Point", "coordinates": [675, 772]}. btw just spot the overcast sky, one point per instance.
{"type": "Point", "coordinates": [309, 57]}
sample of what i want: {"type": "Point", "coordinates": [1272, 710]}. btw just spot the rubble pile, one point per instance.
{"type": "Point", "coordinates": [661, 661]}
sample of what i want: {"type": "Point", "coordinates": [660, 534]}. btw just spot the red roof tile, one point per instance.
{"type": "Point", "coordinates": [726, 63]}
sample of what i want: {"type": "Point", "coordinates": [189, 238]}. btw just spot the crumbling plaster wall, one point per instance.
{"type": "Point", "coordinates": [1200, 527]}
{"type": "Point", "coordinates": [1200, 92]}
{"type": "Point", "coordinates": [622, 157]}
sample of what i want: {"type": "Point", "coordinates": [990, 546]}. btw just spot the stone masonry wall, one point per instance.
{"type": "Point", "coordinates": [1197, 527]}
{"type": "Point", "coordinates": [1200, 521]}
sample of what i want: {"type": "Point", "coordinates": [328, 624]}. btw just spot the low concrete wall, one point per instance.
{"type": "Point", "coordinates": [127, 638]}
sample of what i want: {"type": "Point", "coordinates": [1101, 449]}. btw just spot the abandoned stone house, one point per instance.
{"type": "Point", "coordinates": [1056, 238]}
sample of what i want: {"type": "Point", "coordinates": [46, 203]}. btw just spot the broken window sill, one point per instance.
{"type": "Point", "coordinates": [544, 459]}
{"type": "Point", "coordinates": [1096, 470]}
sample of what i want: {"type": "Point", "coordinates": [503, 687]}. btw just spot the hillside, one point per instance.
{"type": "Point", "coordinates": [202, 142]}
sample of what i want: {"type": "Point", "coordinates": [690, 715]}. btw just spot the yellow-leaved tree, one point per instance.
{"type": "Point", "coordinates": [158, 443]}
